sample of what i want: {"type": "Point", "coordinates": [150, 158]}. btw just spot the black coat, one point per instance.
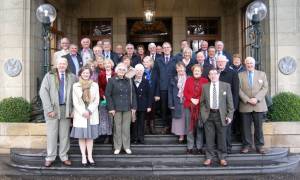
{"type": "Point", "coordinates": [154, 84]}
{"type": "Point", "coordinates": [173, 99]}
{"type": "Point", "coordinates": [118, 94]}
{"type": "Point", "coordinates": [232, 78]}
{"type": "Point", "coordinates": [71, 65]}
{"type": "Point", "coordinates": [143, 95]}
{"type": "Point", "coordinates": [113, 56]}
{"type": "Point", "coordinates": [165, 71]}
{"type": "Point", "coordinates": [135, 59]}
{"type": "Point", "coordinates": [206, 68]}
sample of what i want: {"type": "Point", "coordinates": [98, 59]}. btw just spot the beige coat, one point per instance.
{"type": "Point", "coordinates": [80, 108]}
{"type": "Point", "coordinates": [259, 91]}
{"type": "Point", "coordinates": [225, 102]}
{"type": "Point", "coordinates": [49, 94]}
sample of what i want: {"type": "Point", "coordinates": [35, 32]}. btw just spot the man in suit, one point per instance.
{"type": "Point", "coordinates": [74, 60]}
{"type": "Point", "coordinates": [253, 89]}
{"type": "Point", "coordinates": [217, 109]}
{"type": "Point", "coordinates": [200, 59]}
{"type": "Point", "coordinates": [211, 58]}
{"type": "Point", "coordinates": [231, 77]}
{"type": "Point", "coordinates": [152, 51]}
{"type": "Point", "coordinates": [108, 53]}
{"type": "Point", "coordinates": [135, 59]}
{"type": "Point", "coordinates": [64, 44]}
{"type": "Point", "coordinates": [165, 67]}
{"type": "Point", "coordinates": [159, 49]}
{"type": "Point", "coordinates": [58, 107]}
{"type": "Point", "coordinates": [119, 51]}
{"type": "Point", "coordinates": [220, 51]}
{"type": "Point", "coordinates": [204, 48]}
{"type": "Point", "coordinates": [86, 52]}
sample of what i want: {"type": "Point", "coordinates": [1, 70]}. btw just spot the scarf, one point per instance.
{"type": "Point", "coordinates": [195, 109]}
{"type": "Point", "coordinates": [180, 86]}
{"type": "Point", "coordinates": [86, 86]}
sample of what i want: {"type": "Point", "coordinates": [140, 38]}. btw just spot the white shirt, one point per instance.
{"type": "Point", "coordinates": [211, 94]}
{"type": "Point", "coordinates": [59, 54]}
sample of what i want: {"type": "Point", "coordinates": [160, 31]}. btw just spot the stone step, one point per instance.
{"type": "Point", "coordinates": [34, 156]}
{"type": "Point", "coordinates": [163, 168]}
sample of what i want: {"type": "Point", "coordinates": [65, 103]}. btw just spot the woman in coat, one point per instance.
{"type": "Point", "coordinates": [176, 98]}
{"type": "Point", "coordinates": [105, 124]}
{"type": "Point", "coordinates": [121, 103]}
{"type": "Point", "coordinates": [86, 116]}
{"type": "Point", "coordinates": [192, 93]}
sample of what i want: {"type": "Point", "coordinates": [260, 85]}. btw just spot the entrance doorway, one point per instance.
{"type": "Point", "coordinates": [139, 33]}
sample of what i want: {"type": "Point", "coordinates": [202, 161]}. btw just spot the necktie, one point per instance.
{"type": "Point", "coordinates": [107, 56]}
{"type": "Point", "coordinates": [61, 89]}
{"type": "Point", "coordinates": [214, 105]}
{"type": "Point", "coordinates": [250, 78]}
{"type": "Point", "coordinates": [213, 62]}
{"type": "Point", "coordinates": [167, 60]}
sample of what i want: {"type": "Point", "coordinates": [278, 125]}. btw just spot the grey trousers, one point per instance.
{"type": "Point", "coordinates": [58, 128]}
{"type": "Point", "coordinates": [213, 127]}
{"type": "Point", "coordinates": [193, 135]}
{"type": "Point", "coordinates": [122, 122]}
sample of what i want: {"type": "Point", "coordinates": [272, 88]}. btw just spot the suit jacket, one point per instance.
{"type": "Point", "coordinates": [49, 94]}
{"type": "Point", "coordinates": [173, 99]}
{"type": "Point", "coordinates": [225, 102]}
{"type": "Point", "coordinates": [71, 65]}
{"type": "Point", "coordinates": [143, 95]}
{"type": "Point", "coordinates": [258, 90]}
{"type": "Point", "coordinates": [114, 57]}
{"type": "Point", "coordinates": [165, 71]}
{"type": "Point", "coordinates": [232, 78]}
{"type": "Point", "coordinates": [135, 59]}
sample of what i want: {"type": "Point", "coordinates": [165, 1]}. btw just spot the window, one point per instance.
{"type": "Point", "coordinates": [199, 29]}
{"type": "Point", "coordinates": [95, 29]}
{"type": "Point", "coordinates": [55, 37]}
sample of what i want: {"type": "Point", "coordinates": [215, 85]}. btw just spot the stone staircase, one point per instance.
{"type": "Point", "coordinates": [161, 155]}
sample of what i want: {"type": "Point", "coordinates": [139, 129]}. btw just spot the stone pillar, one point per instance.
{"type": "Point", "coordinates": [15, 38]}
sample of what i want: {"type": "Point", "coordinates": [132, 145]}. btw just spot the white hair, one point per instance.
{"type": "Point", "coordinates": [222, 58]}
{"type": "Point", "coordinates": [127, 45]}
{"type": "Point", "coordinates": [187, 49]}
{"type": "Point", "coordinates": [121, 65]}
{"type": "Point", "coordinates": [249, 58]}
{"type": "Point", "coordinates": [139, 67]}
{"type": "Point", "coordinates": [219, 42]}
{"type": "Point", "coordinates": [150, 45]}
{"type": "Point", "coordinates": [61, 59]}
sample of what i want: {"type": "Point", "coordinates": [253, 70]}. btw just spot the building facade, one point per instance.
{"type": "Point", "coordinates": [122, 22]}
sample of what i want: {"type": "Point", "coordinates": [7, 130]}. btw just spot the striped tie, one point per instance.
{"type": "Point", "coordinates": [214, 105]}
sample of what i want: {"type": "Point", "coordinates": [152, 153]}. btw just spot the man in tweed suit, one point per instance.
{"type": "Point", "coordinates": [253, 89]}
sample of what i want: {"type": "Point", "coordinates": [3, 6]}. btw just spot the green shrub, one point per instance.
{"type": "Point", "coordinates": [15, 109]}
{"type": "Point", "coordinates": [286, 107]}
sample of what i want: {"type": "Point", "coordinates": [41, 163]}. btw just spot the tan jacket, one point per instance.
{"type": "Point", "coordinates": [80, 108]}
{"type": "Point", "coordinates": [225, 102]}
{"type": "Point", "coordinates": [259, 91]}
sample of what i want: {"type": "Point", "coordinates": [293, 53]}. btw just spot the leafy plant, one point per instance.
{"type": "Point", "coordinates": [15, 109]}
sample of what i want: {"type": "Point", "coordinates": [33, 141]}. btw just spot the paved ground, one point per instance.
{"type": "Point", "coordinates": [8, 173]}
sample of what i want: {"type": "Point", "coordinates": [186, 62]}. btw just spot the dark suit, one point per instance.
{"type": "Point", "coordinates": [215, 121]}
{"type": "Point", "coordinates": [165, 72]}
{"type": "Point", "coordinates": [206, 67]}
{"type": "Point", "coordinates": [135, 59]}
{"type": "Point", "coordinates": [232, 78]}
{"type": "Point", "coordinates": [113, 56]}
{"type": "Point", "coordinates": [71, 65]}
{"type": "Point", "coordinates": [144, 101]}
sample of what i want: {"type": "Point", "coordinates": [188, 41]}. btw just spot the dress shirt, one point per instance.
{"type": "Point", "coordinates": [211, 95]}
{"type": "Point", "coordinates": [75, 62]}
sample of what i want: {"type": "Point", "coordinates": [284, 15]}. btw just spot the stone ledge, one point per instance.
{"type": "Point", "coordinates": [22, 129]}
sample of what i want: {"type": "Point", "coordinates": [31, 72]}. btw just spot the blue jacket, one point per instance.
{"type": "Point", "coordinates": [165, 71]}
{"type": "Point", "coordinates": [71, 65]}
{"type": "Point", "coordinates": [143, 95]}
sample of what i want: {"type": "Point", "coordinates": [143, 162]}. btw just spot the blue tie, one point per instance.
{"type": "Point", "coordinates": [250, 78]}
{"type": "Point", "coordinates": [61, 89]}
{"type": "Point", "coordinates": [167, 59]}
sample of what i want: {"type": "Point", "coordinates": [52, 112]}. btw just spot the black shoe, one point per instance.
{"type": "Point", "coordinates": [141, 141]}
{"type": "Point", "coordinates": [93, 164]}
{"type": "Point", "coordinates": [189, 151]}
{"type": "Point", "coordinates": [200, 151]}
{"type": "Point", "coordinates": [229, 151]}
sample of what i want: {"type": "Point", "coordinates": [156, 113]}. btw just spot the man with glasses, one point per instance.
{"type": "Point", "coordinates": [64, 45]}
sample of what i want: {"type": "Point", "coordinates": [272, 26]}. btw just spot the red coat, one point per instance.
{"type": "Point", "coordinates": [102, 82]}
{"type": "Point", "coordinates": [189, 90]}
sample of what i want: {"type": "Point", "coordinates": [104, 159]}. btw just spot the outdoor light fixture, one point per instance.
{"type": "Point", "coordinates": [256, 12]}
{"type": "Point", "coordinates": [46, 14]}
{"type": "Point", "coordinates": [149, 16]}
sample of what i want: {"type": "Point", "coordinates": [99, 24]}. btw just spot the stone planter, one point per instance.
{"type": "Point", "coordinates": [283, 134]}
{"type": "Point", "coordinates": [22, 135]}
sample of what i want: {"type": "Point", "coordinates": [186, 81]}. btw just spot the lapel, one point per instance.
{"type": "Point", "coordinates": [255, 78]}
{"type": "Point", "coordinates": [221, 91]}
{"type": "Point", "coordinates": [68, 88]}
{"type": "Point", "coordinates": [207, 92]}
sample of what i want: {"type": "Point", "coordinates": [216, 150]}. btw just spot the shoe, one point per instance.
{"type": "Point", "coordinates": [261, 151]}
{"type": "Point", "coordinates": [117, 151]}
{"type": "Point", "coordinates": [48, 163]}
{"type": "Point", "coordinates": [223, 163]}
{"type": "Point", "coordinates": [245, 150]}
{"type": "Point", "coordinates": [67, 163]}
{"type": "Point", "coordinates": [141, 141]}
{"type": "Point", "coordinates": [207, 162]}
{"type": "Point", "coordinates": [93, 164]}
{"type": "Point", "coordinates": [229, 151]}
{"type": "Point", "coordinates": [134, 142]}
{"type": "Point", "coordinates": [128, 151]}
{"type": "Point", "coordinates": [199, 151]}
{"type": "Point", "coordinates": [189, 151]}
{"type": "Point", "coordinates": [84, 162]}
{"type": "Point", "coordinates": [180, 141]}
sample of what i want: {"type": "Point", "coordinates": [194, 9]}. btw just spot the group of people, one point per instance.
{"type": "Point", "coordinates": [200, 95]}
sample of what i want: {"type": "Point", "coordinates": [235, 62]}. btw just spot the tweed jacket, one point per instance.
{"type": "Point", "coordinates": [80, 107]}
{"type": "Point", "coordinates": [225, 102]}
{"type": "Point", "coordinates": [49, 94]}
{"type": "Point", "coordinates": [258, 90]}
